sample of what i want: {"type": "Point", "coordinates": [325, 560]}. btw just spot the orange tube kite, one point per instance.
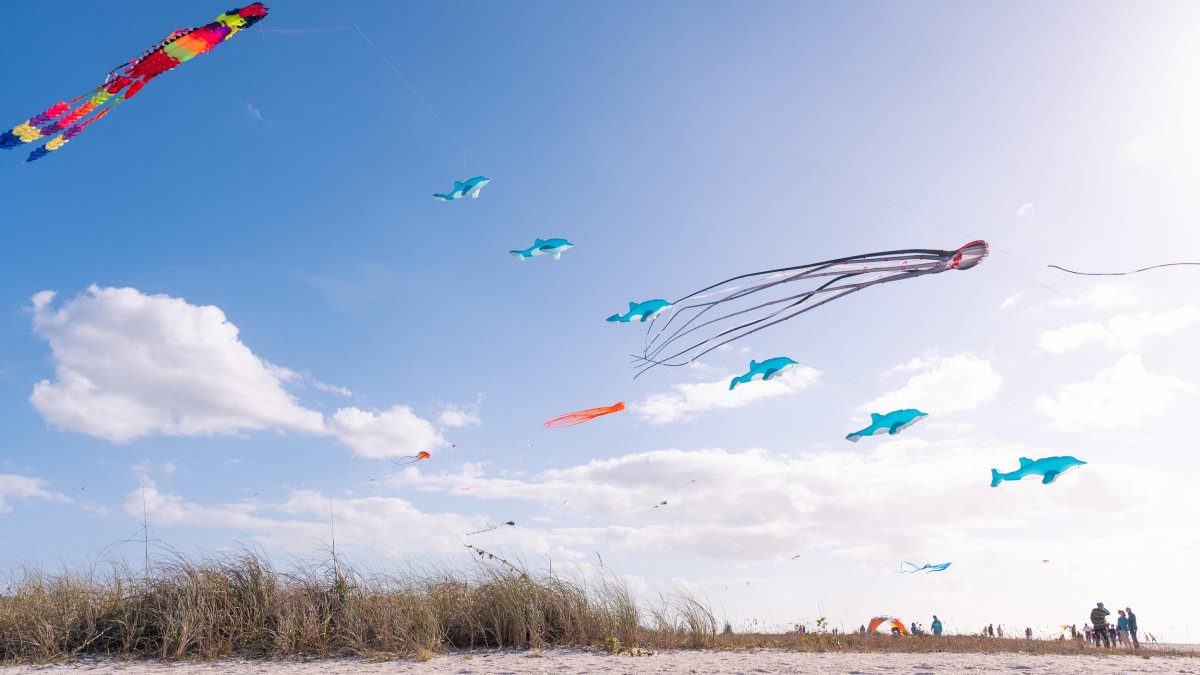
{"type": "Point", "coordinates": [580, 416]}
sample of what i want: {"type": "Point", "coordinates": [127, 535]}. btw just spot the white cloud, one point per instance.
{"type": "Point", "coordinates": [13, 486]}
{"type": "Point", "coordinates": [941, 384]}
{"type": "Point", "coordinates": [1026, 210]}
{"type": "Point", "coordinates": [455, 416]}
{"type": "Point", "coordinates": [1124, 332]}
{"type": "Point", "coordinates": [1124, 396]}
{"type": "Point", "coordinates": [685, 399]}
{"type": "Point", "coordinates": [129, 365]}
{"type": "Point", "coordinates": [1101, 296]}
{"type": "Point", "coordinates": [1010, 301]}
{"type": "Point", "coordinates": [253, 111]}
{"type": "Point", "coordinates": [394, 432]}
{"type": "Point", "coordinates": [1141, 150]}
{"type": "Point", "coordinates": [330, 388]}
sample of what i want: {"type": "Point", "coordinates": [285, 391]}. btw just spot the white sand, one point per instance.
{"type": "Point", "coordinates": [576, 661]}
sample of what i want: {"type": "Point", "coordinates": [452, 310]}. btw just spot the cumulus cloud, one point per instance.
{"type": "Point", "coordinates": [1124, 396]}
{"type": "Point", "coordinates": [13, 486]}
{"type": "Point", "coordinates": [1026, 210]}
{"type": "Point", "coordinates": [390, 433]}
{"type": "Point", "coordinates": [941, 384]}
{"type": "Point", "coordinates": [459, 416]}
{"type": "Point", "coordinates": [130, 365]}
{"type": "Point", "coordinates": [685, 399]}
{"type": "Point", "coordinates": [1124, 332]}
{"type": "Point", "coordinates": [386, 525]}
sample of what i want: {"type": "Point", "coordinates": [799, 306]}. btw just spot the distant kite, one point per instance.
{"type": "Point", "coordinates": [642, 311]}
{"type": "Point", "coordinates": [581, 416]}
{"type": "Point", "coordinates": [551, 247]}
{"type": "Point", "coordinates": [735, 308]}
{"type": "Point", "coordinates": [940, 567]}
{"type": "Point", "coordinates": [662, 503]}
{"type": "Point", "coordinates": [180, 46]}
{"type": "Point", "coordinates": [765, 370]}
{"type": "Point", "coordinates": [1049, 468]}
{"type": "Point", "coordinates": [412, 458]}
{"type": "Point", "coordinates": [1121, 274]}
{"type": "Point", "coordinates": [469, 188]}
{"type": "Point", "coordinates": [891, 423]}
{"type": "Point", "coordinates": [490, 528]}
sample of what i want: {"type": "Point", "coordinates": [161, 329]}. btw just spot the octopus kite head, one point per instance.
{"type": "Point", "coordinates": [969, 255]}
{"type": "Point", "coordinates": [244, 17]}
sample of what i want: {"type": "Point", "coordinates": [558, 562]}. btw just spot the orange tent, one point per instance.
{"type": "Point", "coordinates": [888, 623]}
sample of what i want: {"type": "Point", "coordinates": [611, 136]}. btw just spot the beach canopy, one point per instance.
{"type": "Point", "coordinates": [888, 623]}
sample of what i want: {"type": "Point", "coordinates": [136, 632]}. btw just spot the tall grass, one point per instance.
{"type": "Point", "coordinates": [242, 604]}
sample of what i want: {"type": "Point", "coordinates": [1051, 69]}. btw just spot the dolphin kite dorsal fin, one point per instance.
{"type": "Point", "coordinates": [876, 417]}
{"type": "Point", "coordinates": [538, 242]}
{"type": "Point", "coordinates": [458, 184]}
{"type": "Point", "coordinates": [1025, 461]}
{"type": "Point", "coordinates": [753, 364]}
{"type": "Point", "coordinates": [632, 304]}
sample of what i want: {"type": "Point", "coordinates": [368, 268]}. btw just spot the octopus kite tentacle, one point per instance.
{"type": "Point", "coordinates": [722, 313]}
{"type": "Point", "coordinates": [1121, 274]}
{"type": "Point", "coordinates": [580, 416]}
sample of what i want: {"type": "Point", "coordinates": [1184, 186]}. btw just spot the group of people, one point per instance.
{"type": "Point", "coordinates": [919, 629]}
{"type": "Point", "coordinates": [1099, 630]}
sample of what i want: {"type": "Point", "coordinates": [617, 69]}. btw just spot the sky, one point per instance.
{"type": "Point", "coordinates": [233, 303]}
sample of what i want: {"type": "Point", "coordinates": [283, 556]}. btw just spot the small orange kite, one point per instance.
{"type": "Point", "coordinates": [581, 416]}
{"type": "Point", "coordinates": [412, 458]}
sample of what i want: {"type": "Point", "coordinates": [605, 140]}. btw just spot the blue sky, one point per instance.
{"type": "Point", "coordinates": [285, 179]}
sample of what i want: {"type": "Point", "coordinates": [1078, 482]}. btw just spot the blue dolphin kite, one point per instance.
{"type": "Point", "coordinates": [940, 567]}
{"type": "Point", "coordinates": [554, 247]}
{"type": "Point", "coordinates": [1049, 468]}
{"type": "Point", "coordinates": [893, 423]}
{"type": "Point", "coordinates": [765, 370]}
{"type": "Point", "coordinates": [469, 188]}
{"type": "Point", "coordinates": [642, 311]}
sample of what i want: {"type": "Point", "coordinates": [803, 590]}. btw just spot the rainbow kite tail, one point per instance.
{"type": "Point", "coordinates": [27, 131]}
{"type": "Point", "coordinates": [73, 131]}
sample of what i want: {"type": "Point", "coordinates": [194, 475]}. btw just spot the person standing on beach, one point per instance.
{"type": "Point", "coordinates": [1099, 617]}
{"type": "Point", "coordinates": [991, 630]}
{"type": "Point", "coordinates": [936, 626]}
{"type": "Point", "coordinates": [1122, 627]}
{"type": "Point", "coordinates": [999, 630]}
{"type": "Point", "coordinates": [1028, 633]}
{"type": "Point", "coordinates": [1132, 627]}
{"type": "Point", "coordinates": [1112, 634]}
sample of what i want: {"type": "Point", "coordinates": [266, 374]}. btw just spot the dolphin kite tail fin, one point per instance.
{"type": "Point", "coordinates": [733, 383]}
{"type": "Point", "coordinates": [853, 438]}
{"type": "Point", "coordinates": [996, 478]}
{"type": "Point", "coordinates": [614, 317]}
{"type": "Point", "coordinates": [520, 255]}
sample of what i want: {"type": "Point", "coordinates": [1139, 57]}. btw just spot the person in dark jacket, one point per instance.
{"type": "Point", "coordinates": [1132, 620]}
{"type": "Point", "coordinates": [1099, 617]}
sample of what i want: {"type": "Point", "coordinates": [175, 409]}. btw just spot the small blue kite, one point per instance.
{"type": "Point", "coordinates": [469, 188]}
{"type": "Point", "coordinates": [940, 567]}
{"type": "Point", "coordinates": [642, 311]}
{"type": "Point", "coordinates": [893, 423]}
{"type": "Point", "coordinates": [554, 247]}
{"type": "Point", "coordinates": [1049, 468]}
{"type": "Point", "coordinates": [765, 370]}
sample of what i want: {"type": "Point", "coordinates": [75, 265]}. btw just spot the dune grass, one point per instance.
{"type": "Point", "coordinates": [241, 604]}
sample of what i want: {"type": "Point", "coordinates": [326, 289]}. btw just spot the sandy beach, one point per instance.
{"type": "Point", "coordinates": [578, 661]}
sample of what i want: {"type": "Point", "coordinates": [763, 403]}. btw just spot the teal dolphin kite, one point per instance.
{"type": "Point", "coordinates": [765, 370]}
{"type": "Point", "coordinates": [554, 247]}
{"type": "Point", "coordinates": [940, 567]}
{"type": "Point", "coordinates": [469, 188]}
{"type": "Point", "coordinates": [893, 423]}
{"type": "Point", "coordinates": [642, 311]}
{"type": "Point", "coordinates": [1049, 468]}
